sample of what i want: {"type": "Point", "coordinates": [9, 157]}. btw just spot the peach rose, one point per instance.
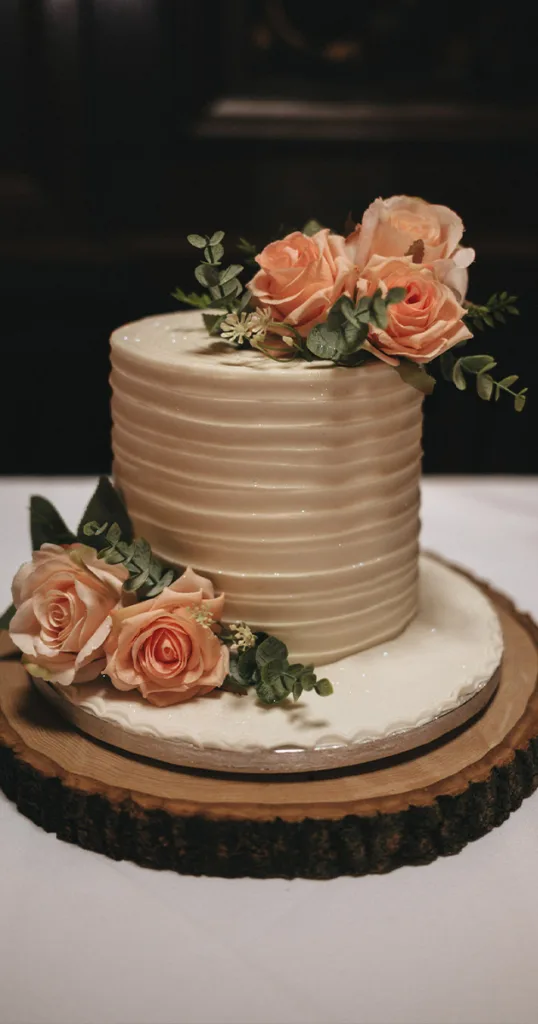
{"type": "Point", "coordinates": [302, 277]}
{"type": "Point", "coordinates": [390, 226]}
{"type": "Point", "coordinates": [64, 598]}
{"type": "Point", "coordinates": [426, 322]}
{"type": "Point", "coordinates": [165, 647]}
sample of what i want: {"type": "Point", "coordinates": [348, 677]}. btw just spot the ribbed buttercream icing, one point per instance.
{"type": "Point", "coordinates": [294, 487]}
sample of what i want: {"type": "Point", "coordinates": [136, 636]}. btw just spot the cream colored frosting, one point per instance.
{"type": "Point", "coordinates": [444, 658]}
{"type": "Point", "coordinates": [294, 487]}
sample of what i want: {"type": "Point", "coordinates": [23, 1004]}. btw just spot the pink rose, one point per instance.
{"type": "Point", "coordinates": [64, 598]}
{"type": "Point", "coordinates": [426, 322]}
{"type": "Point", "coordinates": [165, 647]}
{"type": "Point", "coordinates": [390, 226]}
{"type": "Point", "coordinates": [302, 277]}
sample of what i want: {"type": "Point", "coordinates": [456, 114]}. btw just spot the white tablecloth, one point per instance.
{"type": "Point", "coordinates": [85, 940]}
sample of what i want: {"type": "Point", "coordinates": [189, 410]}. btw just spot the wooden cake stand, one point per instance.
{"type": "Point", "coordinates": [408, 809]}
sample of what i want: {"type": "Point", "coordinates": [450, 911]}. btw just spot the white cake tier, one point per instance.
{"type": "Point", "coordinates": [442, 662]}
{"type": "Point", "coordinates": [294, 487]}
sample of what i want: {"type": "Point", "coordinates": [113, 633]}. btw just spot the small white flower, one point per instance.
{"type": "Point", "coordinates": [259, 321]}
{"type": "Point", "coordinates": [239, 327]}
{"type": "Point", "coordinates": [243, 636]}
{"type": "Point", "coordinates": [201, 615]}
{"type": "Point", "coordinates": [235, 327]}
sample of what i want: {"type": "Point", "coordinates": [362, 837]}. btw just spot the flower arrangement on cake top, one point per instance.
{"type": "Point", "coordinates": [393, 289]}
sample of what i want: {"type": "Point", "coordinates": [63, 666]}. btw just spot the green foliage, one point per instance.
{"type": "Point", "coordinates": [223, 285]}
{"type": "Point", "coordinates": [493, 312]}
{"type": "Point", "coordinates": [249, 252]}
{"type": "Point", "coordinates": [192, 299]}
{"type": "Point", "coordinates": [146, 573]}
{"type": "Point", "coordinates": [105, 504]}
{"type": "Point", "coordinates": [455, 370]}
{"type": "Point", "coordinates": [46, 524]}
{"type": "Point", "coordinates": [312, 226]}
{"type": "Point", "coordinates": [212, 322]}
{"type": "Point", "coordinates": [6, 618]}
{"type": "Point", "coordinates": [266, 668]}
{"type": "Point", "coordinates": [345, 331]}
{"type": "Point", "coordinates": [416, 375]}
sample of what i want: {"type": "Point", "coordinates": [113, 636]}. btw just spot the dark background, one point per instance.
{"type": "Point", "coordinates": [128, 123]}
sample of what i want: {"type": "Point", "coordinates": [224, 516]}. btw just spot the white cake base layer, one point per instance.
{"type": "Point", "coordinates": [388, 699]}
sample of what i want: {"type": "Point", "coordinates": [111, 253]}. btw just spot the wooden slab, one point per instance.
{"type": "Point", "coordinates": [404, 810]}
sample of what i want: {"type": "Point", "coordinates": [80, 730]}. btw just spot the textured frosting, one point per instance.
{"type": "Point", "coordinates": [447, 654]}
{"type": "Point", "coordinates": [294, 487]}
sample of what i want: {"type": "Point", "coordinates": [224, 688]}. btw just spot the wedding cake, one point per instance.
{"type": "Point", "coordinates": [294, 489]}
{"type": "Point", "coordinates": [263, 519]}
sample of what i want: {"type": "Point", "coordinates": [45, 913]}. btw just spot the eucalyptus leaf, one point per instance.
{"type": "Point", "coordinates": [311, 227]}
{"type": "Point", "coordinates": [216, 237]}
{"type": "Point", "coordinates": [244, 301]}
{"type": "Point", "coordinates": [192, 299]}
{"type": "Point", "coordinates": [333, 344]}
{"type": "Point", "coordinates": [165, 581]}
{"type": "Point", "coordinates": [446, 361]}
{"type": "Point", "coordinates": [135, 583]}
{"type": "Point", "coordinates": [484, 386]}
{"type": "Point", "coordinates": [308, 679]}
{"type": "Point", "coordinates": [214, 253]}
{"type": "Point", "coordinates": [507, 382]}
{"type": "Point", "coordinates": [458, 377]}
{"type": "Point", "coordinates": [113, 535]}
{"type": "Point", "coordinates": [198, 241]}
{"type": "Point", "coordinates": [324, 688]}
{"type": "Point", "coordinates": [206, 275]}
{"type": "Point", "coordinates": [230, 288]}
{"type": "Point", "coordinates": [348, 310]}
{"type": "Point", "coordinates": [270, 649]}
{"type": "Point", "coordinates": [395, 295]}
{"type": "Point", "coordinates": [271, 671]}
{"type": "Point", "coordinates": [477, 364]}
{"type": "Point", "coordinates": [246, 663]}
{"type": "Point", "coordinates": [232, 271]}
{"type": "Point", "coordinates": [212, 322]}
{"type": "Point", "coordinates": [271, 693]}
{"type": "Point", "coordinates": [415, 375]}
{"type": "Point", "coordinates": [355, 335]}
{"type": "Point", "coordinates": [379, 311]}
{"type": "Point", "coordinates": [142, 553]}
{"type": "Point", "coordinates": [519, 403]}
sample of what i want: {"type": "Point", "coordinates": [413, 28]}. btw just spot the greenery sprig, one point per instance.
{"type": "Point", "coordinates": [492, 312]}
{"type": "Point", "coordinates": [487, 387]}
{"type": "Point", "coordinates": [146, 573]}
{"type": "Point", "coordinates": [264, 665]}
{"type": "Point", "coordinates": [342, 336]}
{"type": "Point", "coordinates": [223, 284]}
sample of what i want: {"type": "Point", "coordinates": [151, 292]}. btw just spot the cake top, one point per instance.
{"type": "Point", "coordinates": [178, 346]}
{"type": "Point", "coordinates": [182, 340]}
